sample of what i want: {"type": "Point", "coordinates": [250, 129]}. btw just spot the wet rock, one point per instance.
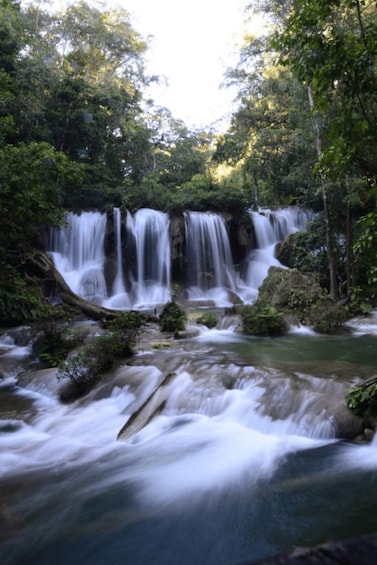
{"type": "Point", "coordinates": [347, 424]}
{"type": "Point", "coordinates": [301, 297]}
{"type": "Point", "coordinates": [40, 380]}
{"type": "Point", "coordinates": [357, 551]}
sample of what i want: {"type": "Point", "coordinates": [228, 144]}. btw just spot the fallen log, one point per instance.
{"type": "Point", "coordinates": [150, 408]}
{"type": "Point", "coordinates": [40, 269]}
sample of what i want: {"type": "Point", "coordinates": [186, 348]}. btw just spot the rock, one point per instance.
{"type": "Point", "coordinates": [147, 410]}
{"type": "Point", "coordinates": [347, 424]}
{"type": "Point", "coordinates": [40, 380]}
{"type": "Point", "coordinates": [356, 551]}
{"type": "Point", "coordinates": [368, 434]}
{"type": "Point", "coordinates": [161, 344]}
{"type": "Point", "coordinates": [186, 334]}
{"type": "Point", "coordinates": [300, 297]}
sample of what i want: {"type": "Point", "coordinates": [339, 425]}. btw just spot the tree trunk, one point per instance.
{"type": "Point", "coordinates": [40, 268]}
{"type": "Point", "coordinates": [334, 291]}
{"type": "Point", "coordinates": [349, 243]}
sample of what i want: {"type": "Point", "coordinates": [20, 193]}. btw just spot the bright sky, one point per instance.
{"type": "Point", "coordinates": [193, 42]}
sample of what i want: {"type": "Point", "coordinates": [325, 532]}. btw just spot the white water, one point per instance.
{"type": "Point", "coordinates": [270, 228]}
{"type": "Point", "coordinates": [145, 282]}
{"type": "Point", "coordinates": [118, 286]}
{"type": "Point", "coordinates": [77, 250]}
{"type": "Point", "coordinates": [201, 440]}
{"type": "Point", "coordinates": [215, 451]}
{"type": "Point", "coordinates": [150, 230]}
{"type": "Point", "coordinates": [210, 265]}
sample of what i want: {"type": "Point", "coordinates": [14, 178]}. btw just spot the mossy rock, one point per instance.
{"type": "Point", "coordinates": [209, 320]}
{"type": "Point", "coordinates": [301, 297]}
{"type": "Point", "coordinates": [263, 321]}
{"type": "Point", "coordinates": [172, 318]}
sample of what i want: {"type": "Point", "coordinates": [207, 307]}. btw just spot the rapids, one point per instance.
{"type": "Point", "coordinates": [242, 461]}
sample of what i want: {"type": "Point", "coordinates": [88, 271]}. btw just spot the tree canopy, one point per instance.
{"type": "Point", "coordinates": [76, 130]}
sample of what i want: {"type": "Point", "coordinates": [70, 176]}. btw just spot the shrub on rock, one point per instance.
{"type": "Point", "coordinates": [172, 318]}
{"type": "Point", "coordinates": [263, 321]}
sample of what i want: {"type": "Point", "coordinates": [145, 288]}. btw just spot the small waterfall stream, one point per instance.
{"type": "Point", "coordinates": [150, 232]}
{"type": "Point", "coordinates": [118, 286]}
{"type": "Point", "coordinates": [270, 228]}
{"type": "Point", "coordinates": [77, 250]}
{"type": "Point", "coordinates": [209, 258]}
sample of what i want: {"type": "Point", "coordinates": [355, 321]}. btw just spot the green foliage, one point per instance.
{"type": "Point", "coordinates": [172, 318]}
{"type": "Point", "coordinates": [84, 368]}
{"type": "Point", "coordinates": [365, 249]}
{"type": "Point", "coordinates": [328, 318]}
{"type": "Point", "coordinates": [29, 201]}
{"type": "Point", "coordinates": [126, 323]}
{"type": "Point", "coordinates": [19, 301]}
{"type": "Point", "coordinates": [79, 371]}
{"type": "Point", "coordinates": [209, 320]}
{"type": "Point", "coordinates": [305, 250]}
{"type": "Point", "coordinates": [302, 298]}
{"type": "Point", "coordinates": [54, 344]}
{"type": "Point", "coordinates": [263, 321]}
{"type": "Point", "coordinates": [362, 400]}
{"type": "Point", "coordinates": [331, 47]}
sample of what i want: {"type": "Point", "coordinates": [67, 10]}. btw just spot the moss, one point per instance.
{"type": "Point", "coordinates": [263, 321]}
{"type": "Point", "coordinates": [301, 297]}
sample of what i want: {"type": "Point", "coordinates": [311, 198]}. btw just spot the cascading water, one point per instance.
{"type": "Point", "coordinates": [77, 250]}
{"type": "Point", "coordinates": [270, 228]}
{"type": "Point", "coordinates": [211, 277]}
{"type": "Point", "coordinates": [118, 286]}
{"type": "Point", "coordinates": [242, 458]}
{"type": "Point", "coordinates": [210, 265]}
{"type": "Point", "coordinates": [150, 232]}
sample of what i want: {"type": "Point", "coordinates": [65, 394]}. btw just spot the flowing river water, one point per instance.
{"type": "Point", "coordinates": [242, 462]}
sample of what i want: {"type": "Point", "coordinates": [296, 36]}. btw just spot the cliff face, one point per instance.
{"type": "Point", "coordinates": [178, 240]}
{"type": "Point", "coordinates": [241, 238]}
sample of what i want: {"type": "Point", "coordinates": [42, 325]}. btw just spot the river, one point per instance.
{"type": "Point", "coordinates": [242, 462]}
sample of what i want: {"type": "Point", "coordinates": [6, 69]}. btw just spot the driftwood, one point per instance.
{"type": "Point", "coordinates": [41, 270]}
{"type": "Point", "coordinates": [370, 381]}
{"type": "Point", "coordinates": [150, 408]}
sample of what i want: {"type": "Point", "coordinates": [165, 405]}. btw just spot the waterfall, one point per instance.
{"type": "Point", "coordinates": [118, 286]}
{"type": "Point", "coordinates": [209, 258]}
{"type": "Point", "coordinates": [150, 231]}
{"type": "Point", "coordinates": [144, 247]}
{"type": "Point", "coordinates": [270, 228]}
{"type": "Point", "coordinates": [77, 250]}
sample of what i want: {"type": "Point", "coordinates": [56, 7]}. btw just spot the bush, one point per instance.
{"type": "Point", "coordinates": [208, 320]}
{"type": "Point", "coordinates": [172, 318]}
{"type": "Point", "coordinates": [126, 324]}
{"type": "Point", "coordinates": [20, 301]}
{"type": "Point", "coordinates": [263, 321]}
{"type": "Point", "coordinates": [54, 343]}
{"type": "Point", "coordinates": [85, 367]}
{"type": "Point", "coordinates": [80, 371]}
{"type": "Point", "coordinates": [362, 400]}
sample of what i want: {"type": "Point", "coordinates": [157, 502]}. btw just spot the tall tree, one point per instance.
{"type": "Point", "coordinates": [331, 47]}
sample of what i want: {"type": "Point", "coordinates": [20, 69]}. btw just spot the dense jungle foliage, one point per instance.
{"type": "Point", "coordinates": [77, 131]}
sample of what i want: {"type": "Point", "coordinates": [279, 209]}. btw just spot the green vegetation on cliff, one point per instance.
{"type": "Point", "coordinates": [76, 132]}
